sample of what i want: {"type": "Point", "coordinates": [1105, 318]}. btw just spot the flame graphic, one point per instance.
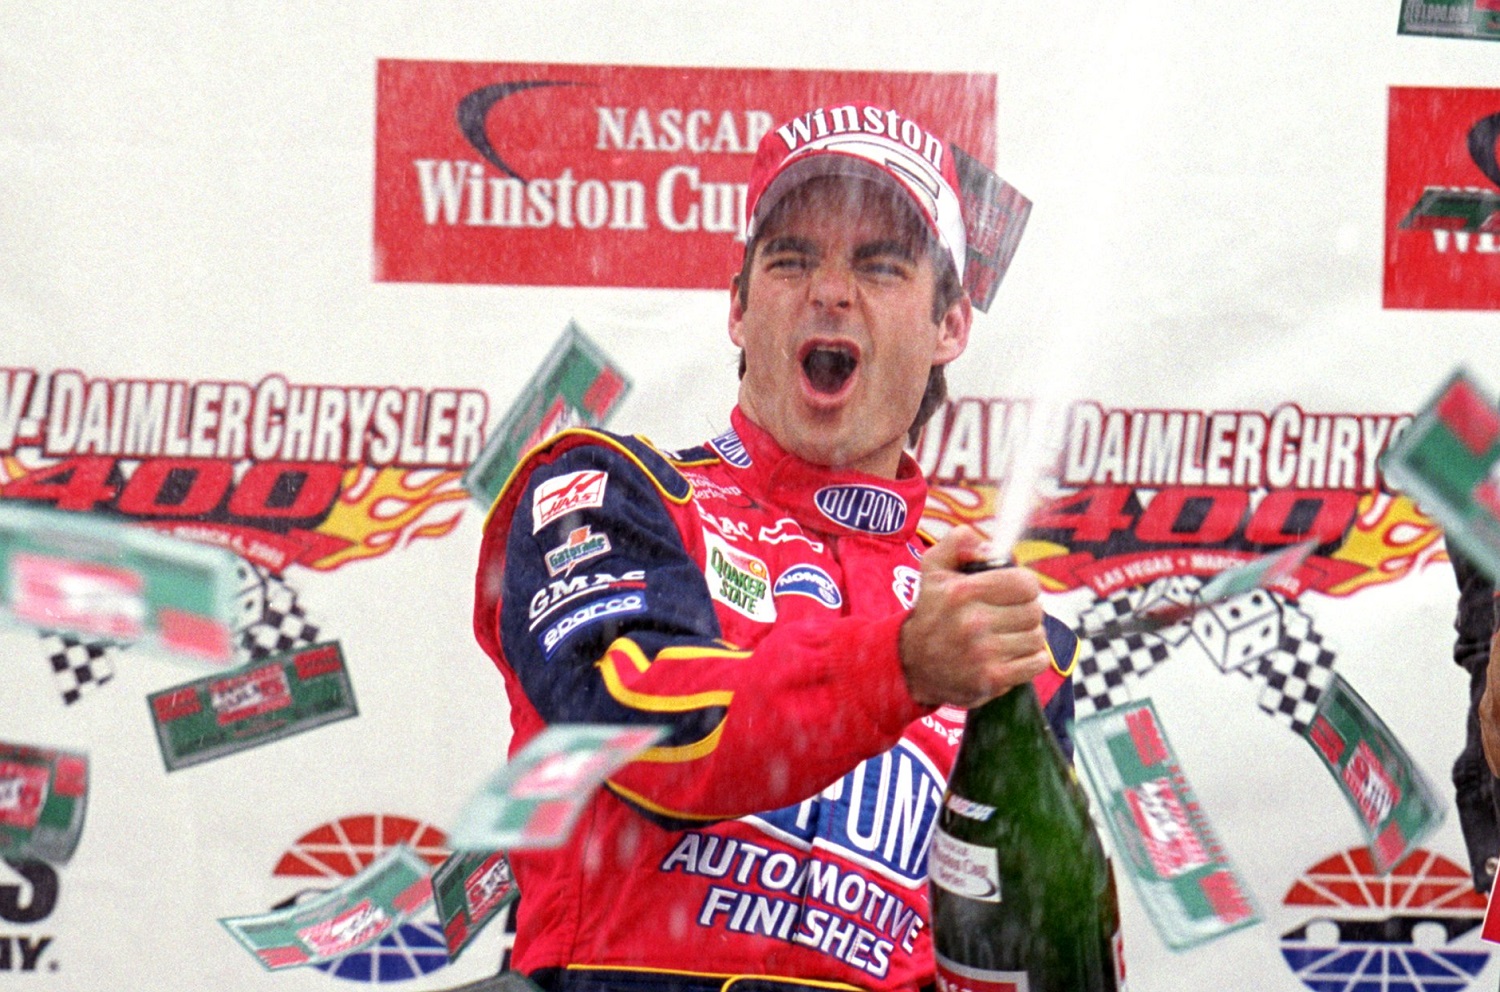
{"type": "Point", "coordinates": [11, 468]}
{"type": "Point", "coordinates": [380, 510]}
{"type": "Point", "coordinates": [1390, 539]}
{"type": "Point", "coordinates": [949, 506]}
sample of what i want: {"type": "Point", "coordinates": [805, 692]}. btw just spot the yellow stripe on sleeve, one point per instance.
{"type": "Point", "coordinates": [627, 696]}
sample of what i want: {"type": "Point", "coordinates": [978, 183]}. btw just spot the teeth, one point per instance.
{"type": "Point", "coordinates": [828, 368]}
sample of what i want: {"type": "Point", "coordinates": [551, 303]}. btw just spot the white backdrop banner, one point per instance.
{"type": "Point", "coordinates": [272, 280]}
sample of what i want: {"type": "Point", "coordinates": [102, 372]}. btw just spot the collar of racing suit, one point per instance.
{"type": "Point", "coordinates": [827, 499]}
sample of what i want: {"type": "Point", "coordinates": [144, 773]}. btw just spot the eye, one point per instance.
{"type": "Point", "coordinates": [788, 262]}
{"type": "Point", "coordinates": [886, 267]}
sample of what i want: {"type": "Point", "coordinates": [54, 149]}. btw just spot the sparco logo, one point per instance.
{"type": "Point", "coordinates": [29, 901]}
{"type": "Point", "coordinates": [867, 508]}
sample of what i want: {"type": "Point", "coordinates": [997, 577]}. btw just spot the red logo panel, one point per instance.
{"type": "Point", "coordinates": [591, 175]}
{"type": "Point", "coordinates": [1442, 235]}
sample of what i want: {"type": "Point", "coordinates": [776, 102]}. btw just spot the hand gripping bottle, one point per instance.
{"type": "Point", "coordinates": [1023, 898]}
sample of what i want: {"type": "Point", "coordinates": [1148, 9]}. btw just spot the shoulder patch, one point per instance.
{"type": "Point", "coordinates": [667, 478]}
{"type": "Point", "coordinates": [687, 457]}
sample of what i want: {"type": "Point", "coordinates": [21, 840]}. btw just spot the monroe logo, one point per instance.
{"type": "Point", "coordinates": [566, 493]}
{"type": "Point", "coordinates": [812, 582]}
{"type": "Point", "coordinates": [867, 508]}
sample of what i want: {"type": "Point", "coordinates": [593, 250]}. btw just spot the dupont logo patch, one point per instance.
{"type": "Point", "coordinates": [731, 449]}
{"type": "Point", "coordinates": [864, 508]}
{"type": "Point", "coordinates": [566, 493]}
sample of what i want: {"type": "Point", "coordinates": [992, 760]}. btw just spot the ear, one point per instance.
{"type": "Point", "coordinates": [736, 314]}
{"type": "Point", "coordinates": [953, 331]}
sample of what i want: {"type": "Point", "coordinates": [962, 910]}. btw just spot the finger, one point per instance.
{"type": "Point", "coordinates": [961, 544]}
{"type": "Point", "coordinates": [1011, 646]}
{"type": "Point", "coordinates": [1006, 587]}
{"type": "Point", "coordinates": [1017, 671]}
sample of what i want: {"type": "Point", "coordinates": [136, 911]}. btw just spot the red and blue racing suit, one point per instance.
{"type": "Point", "coordinates": [749, 601]}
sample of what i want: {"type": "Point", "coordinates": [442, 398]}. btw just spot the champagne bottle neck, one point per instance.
{"type": "Point", "coordinates": [1007, 733]}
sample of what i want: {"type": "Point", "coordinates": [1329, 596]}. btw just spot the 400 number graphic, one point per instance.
{"type": "Point", "coordinates": [334, 851]}
{"type": "Point", "coordinates": [266, 494]}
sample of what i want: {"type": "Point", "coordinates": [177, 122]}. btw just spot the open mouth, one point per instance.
{"type": "Point", "coordinates": [829, 367]}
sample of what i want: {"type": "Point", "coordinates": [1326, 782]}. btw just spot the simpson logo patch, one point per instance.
{"type": "Point", "coordinates": [565, 494]}
{"type": "Point", "coordinates": [738, 580]}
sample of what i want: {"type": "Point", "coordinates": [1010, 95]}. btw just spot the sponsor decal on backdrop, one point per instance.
{"type": "Point", "coordinates": [28, 896]}
{"type": "Point", "coordinates": [331, 853]}
{"type": "Point", "coordinates": [1442, 230]}
{"type": "Point", "coordinates": [1349, 927]}
{"type": "Point", "coordinates": [279, 472]}
{"type": "Point", "coordinates": [591, 175]}
{"type": "Point", "coordinates": [1147, 494]}
{"type": "Point", "coordinates": [1145, 505]}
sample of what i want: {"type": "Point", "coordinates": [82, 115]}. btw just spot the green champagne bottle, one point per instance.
{"type": "Point", "coordinates": [1023, 898]}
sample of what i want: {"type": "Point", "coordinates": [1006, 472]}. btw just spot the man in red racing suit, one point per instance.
{"type": "Point", "coordinates": [783, 618]}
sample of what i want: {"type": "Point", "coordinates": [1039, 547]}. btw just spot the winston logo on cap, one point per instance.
{"type": "Point", "coordinates": [867, 508]}
{"type": "Point", "coordinates": [820, 123]}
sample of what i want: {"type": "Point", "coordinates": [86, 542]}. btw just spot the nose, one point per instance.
{"type": "Point", "coordinates": [832, 286]}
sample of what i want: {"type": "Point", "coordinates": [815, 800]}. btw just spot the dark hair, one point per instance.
{"type": "Point", "coordinates": [946, 292]}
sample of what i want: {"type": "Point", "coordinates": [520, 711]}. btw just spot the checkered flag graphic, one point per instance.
{"type": "Point", "coordinates": [1108, 665]}
{"type": "Point", "coordinates": [1293, 672]}
{"type": "Point", "coordinates": [78, 666]}
{"type": "Point", "coordinates": [1297, 673]}
{"type": "Point", "coordinates": [269, 619]}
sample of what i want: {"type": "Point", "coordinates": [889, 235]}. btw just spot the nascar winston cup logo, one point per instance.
{"type": "Point", "coordinates": [567, 175]}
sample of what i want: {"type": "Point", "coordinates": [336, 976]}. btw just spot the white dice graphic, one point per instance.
{"type": "Point", "coordinates": [1240, 631]}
